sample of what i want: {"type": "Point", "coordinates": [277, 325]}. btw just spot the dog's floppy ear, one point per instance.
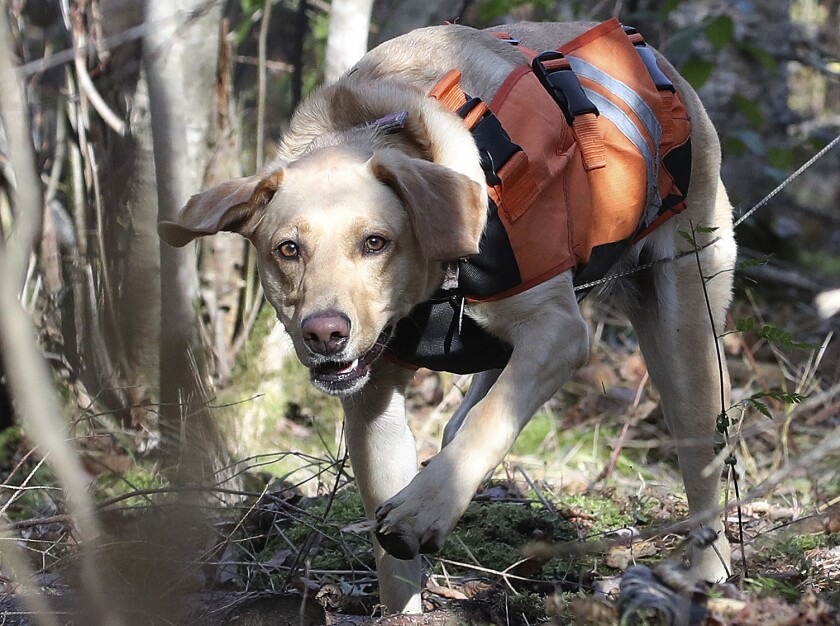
{"type": "Point", "coordinates": [447, 210]}
{"type": "Point", "coordinates": [233, 205]}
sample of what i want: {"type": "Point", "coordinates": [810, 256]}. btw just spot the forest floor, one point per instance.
{"type": "Point", "coordinates": [590, 489]}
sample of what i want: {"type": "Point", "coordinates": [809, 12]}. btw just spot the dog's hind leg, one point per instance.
{"type": "Point", "coordinates": [479, 386]}
{"type": "Point", "coordinates": [680, 347]}
{"type": "Point", "coordinates": [384, 459]}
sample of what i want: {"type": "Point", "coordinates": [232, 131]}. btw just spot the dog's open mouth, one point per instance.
{"type": "Point", "coordinates": [341, 378]}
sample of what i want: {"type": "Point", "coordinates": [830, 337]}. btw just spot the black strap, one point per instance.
{"type": "Point", "coordinates": [563, 85]}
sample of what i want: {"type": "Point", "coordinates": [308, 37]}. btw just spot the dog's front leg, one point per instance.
{"type": "Point", "coordinates": [550, 340]}
{"type": "Point", "coordinates": [384, 460]}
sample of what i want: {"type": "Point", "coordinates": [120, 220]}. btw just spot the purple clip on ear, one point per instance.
{"type": "Point", "coordinates": [391, 123]}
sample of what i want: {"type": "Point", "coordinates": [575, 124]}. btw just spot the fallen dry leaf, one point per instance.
{"type": "Point", "coordinates": [620, 557]}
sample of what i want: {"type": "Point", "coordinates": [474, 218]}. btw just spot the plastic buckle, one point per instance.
{"type": "Point", "coordinates": [486, 162]}
{"type": "Point", "coordinates": [662, 82]}
{"type": "Point", "coordinates": [468, 106]}
{"type": "Point", "coordinates": [564, 86]}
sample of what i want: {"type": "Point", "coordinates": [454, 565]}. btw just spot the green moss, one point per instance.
{"type": "Point", "coordinates": [332, 549]}
{"type": "Point", "coordinates": [803, 543]}
{"type": "Point", "coordinates": [138, 478]}
{"type": "Point", "coordinates": [606, 514]}
{"type": "Point", "coordinates": [11, 440]}
{"type": "Point", "coordinates": [522, 608]}
{"type": "Point", "coordinates": [492, 535]}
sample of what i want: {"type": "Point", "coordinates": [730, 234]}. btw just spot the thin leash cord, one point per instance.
{"type": "Point", "coordinates": [640, 268]}
{"type": "Point", "coordinates": [788, 180]}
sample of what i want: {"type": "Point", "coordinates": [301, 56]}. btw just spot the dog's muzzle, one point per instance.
{"type": "Point", "coordinates": [344, 378]}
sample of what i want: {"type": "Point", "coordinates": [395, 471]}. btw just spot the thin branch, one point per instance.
{"type": "Point", "coordinates": [723, 419]}
{"type": "Point", "coordinates": [301, 26]}
{"type": "Point", "coordinates": [86, 83]}
{"type": "Point", "coordinates": [253, 313]}
{"type": "Point", "coordinates": [107, 44]}
{"type": "Point", "coordinates": [275, 67]}
{"type": "Point", "coordinates": [77, 174]}
{"type": "Point", "coordinates": [27, 185]}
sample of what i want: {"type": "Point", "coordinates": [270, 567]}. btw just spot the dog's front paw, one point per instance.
{"type": "Point", "coordinates": [405, 530]}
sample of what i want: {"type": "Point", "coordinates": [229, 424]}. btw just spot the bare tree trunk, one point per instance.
{"type": "Point", "coordinates": [118, 304]}
{"type": "Point", "coordinates": [301, 29]}
{"type": "Point", "coordinates": [347, 40]}
{"type": "Point", "coordinates": [121, 337]}
{"type": "Point", "coordinates": [221, 256]}
{"type": "Point", "coordinates": [174, 76]}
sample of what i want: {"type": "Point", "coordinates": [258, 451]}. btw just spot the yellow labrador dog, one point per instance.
{"type": "Point", "coordinates": [377, 196]}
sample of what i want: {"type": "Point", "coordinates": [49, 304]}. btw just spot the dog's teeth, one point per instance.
{"type": "Point", "coordinates": [349, 367]}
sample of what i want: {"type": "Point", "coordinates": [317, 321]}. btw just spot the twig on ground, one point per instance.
{"type": "Point", "coordinates": [486, 570]}
{"type": "Point", "coordinates": [548, 505]}
{"type": "Point", "coordinates": [311, 539]}
{"type": "Point", "coordinates": [633, 420]}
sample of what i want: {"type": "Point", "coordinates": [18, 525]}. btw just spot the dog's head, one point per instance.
{"type": "Point", "coordinates": [347, 243]}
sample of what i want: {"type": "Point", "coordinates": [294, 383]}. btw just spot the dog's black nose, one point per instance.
{"type": "Point", "coordinates": [326, 332]}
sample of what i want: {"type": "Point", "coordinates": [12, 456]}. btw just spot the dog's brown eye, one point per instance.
{"type": "Point", "coordinates": [287, 250]}
{"type": "Point", "coordinates": [375, 243]}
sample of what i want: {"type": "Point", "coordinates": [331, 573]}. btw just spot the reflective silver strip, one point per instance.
{"type": "Point", "coordinates": [636, 103]}
{"type": "Point", "coordinates": [629, 129]}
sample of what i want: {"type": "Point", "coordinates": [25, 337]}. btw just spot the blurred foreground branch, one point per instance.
{"type": "Point", "coordinates": [27, 373]}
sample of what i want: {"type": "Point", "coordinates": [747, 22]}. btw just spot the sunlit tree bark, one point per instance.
{"type": "Point", "coordinates": [347, 40]}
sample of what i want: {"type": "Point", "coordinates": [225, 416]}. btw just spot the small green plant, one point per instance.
{"type": "Point", "coordinates": [755, 400]}
{"type": "Point", "coordinates": [772, 334]}
{"type": "Point", "coordinates": [764, 586]}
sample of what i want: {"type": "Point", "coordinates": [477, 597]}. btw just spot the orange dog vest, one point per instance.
{"type": "Point", "coordinates": [590, 180]}
{"type": "Point", "coordinates": [586, 150]}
